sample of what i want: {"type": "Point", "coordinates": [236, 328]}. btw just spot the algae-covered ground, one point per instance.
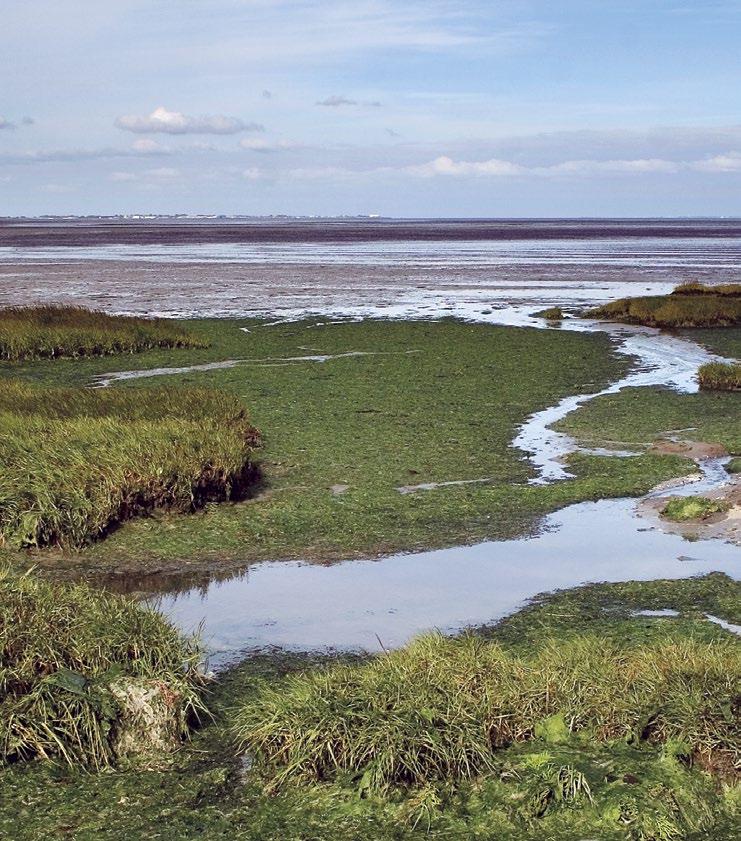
{"type": "Point", "coordinates": [421, 402]}
{"type": "Point", "coordinates": [557, 786]}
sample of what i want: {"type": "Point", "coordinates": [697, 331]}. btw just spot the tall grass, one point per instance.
{"type": "Point", "coordinates": [720, 376]}
{"type": "Point", "coordinates": [51, 331]}
{"type": "Point", "coordinates": [77, 462]}
{"type": "Point", "coordinates": [693, 287]}
{"type": "Point", "coordinates": [440, 708]}
{"type": "Point", "coordinates": [63, 650]}
{"type": "Point", "coordinates": [675, 310]}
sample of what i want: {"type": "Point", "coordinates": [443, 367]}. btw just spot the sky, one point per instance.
{"type": "Point", "coordinates": [452, 108]}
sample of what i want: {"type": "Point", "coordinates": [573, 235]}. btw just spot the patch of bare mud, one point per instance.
{"type": "Point", "coordinates": [689, 449]}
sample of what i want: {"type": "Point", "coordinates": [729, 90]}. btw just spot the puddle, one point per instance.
{"type": "Point", "coordinates": [353, 604]}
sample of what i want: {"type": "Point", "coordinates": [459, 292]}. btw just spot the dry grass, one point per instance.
{"type": "Point", "coordinates": [689, 305]}
{"type": "Point", "coordinates": [48, 332]}
{"type": "Point", "coordinates": [720, 376]}
{"type": "Point", "coordinates": [693, 287]}
{"type": "Point", "coordinates": [550, 314]}
{"type": "Point", "coordinates": [63, 650]}
{"type": "Point", "coordinates": [440, 708]}
{"type": "Point", "coordinates": [76, 462]}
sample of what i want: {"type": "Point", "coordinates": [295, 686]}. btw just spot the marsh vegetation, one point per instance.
{"type": "Point", "coordinates": [568, 778]}
{"type": "Point", "coordinates": [51, 332]}
{"type": "Point", "coordinates": [88, 678]}
{"type": "Point", "coordinates": [720, 376]}
{"type": "Point", "coordinates": [689, 305]}
{"type": "Point", "coordinates": [374, 423]}
{"type": "Point", "coordinates": [77, 462]}
{"type": "Point", "coordinates": [440, 709]}
{"type": "Point", "coordinates": [685, 508]}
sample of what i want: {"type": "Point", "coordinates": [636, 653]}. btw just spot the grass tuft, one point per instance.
{"type": "Point", "coordinates": [689, 305]}
{"type": "Point", "coordinates": [693, 287]}
{"type": "Point", "coordinates": [78, 462]}
{"type": "Point", "coordinates": [50, 332]}
{"type": "Point", "coordinates": [440, 709]}
{"type": "Point", "coordinates": [550, 314]}
{"type": "Point", "coordinates": [682, 508]}
{"type": "Point", "coordinates": [66, 654]}
{"type": "Point", "coordinates": [720, 376]}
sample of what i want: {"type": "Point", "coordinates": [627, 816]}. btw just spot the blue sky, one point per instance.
{"type": "Point", "coordinates": [435, 108]}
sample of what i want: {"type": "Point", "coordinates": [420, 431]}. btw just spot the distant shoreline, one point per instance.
{"type": "Point", "coordinates": [90, 231]}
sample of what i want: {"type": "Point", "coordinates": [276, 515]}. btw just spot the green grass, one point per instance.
{"type": "Point", "coordinates": [53, 332]}
{"type": "Point", "coordinates": [69, 656]}
{"type": "Point", "coordinates": [720, 376]}
{"type": "Point", "coordinates": [447, 411]}
{"type": "Point", "coordinates": [677, 310]}
{"type": "Point", "coordinates": [557, 786]}
{"type": "Point", "coordinates": [725, 342]}
{"type": "Point", "coordinates": [639, 416]}
{"type": "Point", "coordinates": [683, 508]}
{"type": "Point", "coordinates": [734, 465]}
{"type": "Point", "coordinates": [440, 709]}
{"type": "Point", "coordinates": [76, 463]}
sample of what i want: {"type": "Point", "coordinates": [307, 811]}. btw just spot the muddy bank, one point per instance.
{"type": "Point", "coordinates": [713, 483]}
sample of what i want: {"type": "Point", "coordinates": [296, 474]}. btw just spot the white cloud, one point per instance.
{"type": "Point", "coordinates": [263, 144]}
{"type": "Point", "coordinates": [336, 101]}
{"type": "Point", "coordinates": [123, 176]}
{"type": "Point", "coordinates": [592, 167]}
{"type": "Point", "coordinates": [730, 162]}
{"type": "Point", "coordinates": [50, 155]}
{"type": "Point", "coordinates": [173, 122]}
{"type": "Point", "coordinates": [318, 172]}
{"type": "Point", "coordinates": [252, 174]}
{"type": "Point", "coordinates": [57, 188]}
{"type": "Point", "coordinates": [444, 165]}
{"type": "Point", "coordinates": [163, 172]}
{"type": "Point", "coordinates": [147, 146]}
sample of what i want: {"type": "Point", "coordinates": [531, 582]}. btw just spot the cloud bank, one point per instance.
{"type": "Point", "coordinates": [162, 121]}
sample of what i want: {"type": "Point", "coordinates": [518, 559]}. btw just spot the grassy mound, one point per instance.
{"type": "Point", "coordinates": [440, 709]}
{"type": "Point", "coordinates": [51, 332]}
{"type": "Point", "coordinates": [734, 465]}
{"type": "Point", "coordinates": [689, 305]}
{"type": "Point", "coordinates": [550, 314]}
{"type": "Point", "coordinates": [720, 376]}
{"type": "Point", "coordinates": [683, 508]}
{"type": "Point", "coordinates": [78, 668]}
{"type": "Point", "coordinates": [693, 287]}
{"type": "Point", "coordinates": [77, 462]}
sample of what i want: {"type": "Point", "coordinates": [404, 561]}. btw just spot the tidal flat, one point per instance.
{"type": "Point", "coordinates": [431, 402]}
{"type": "Point", "coordinates": [415, 476]}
